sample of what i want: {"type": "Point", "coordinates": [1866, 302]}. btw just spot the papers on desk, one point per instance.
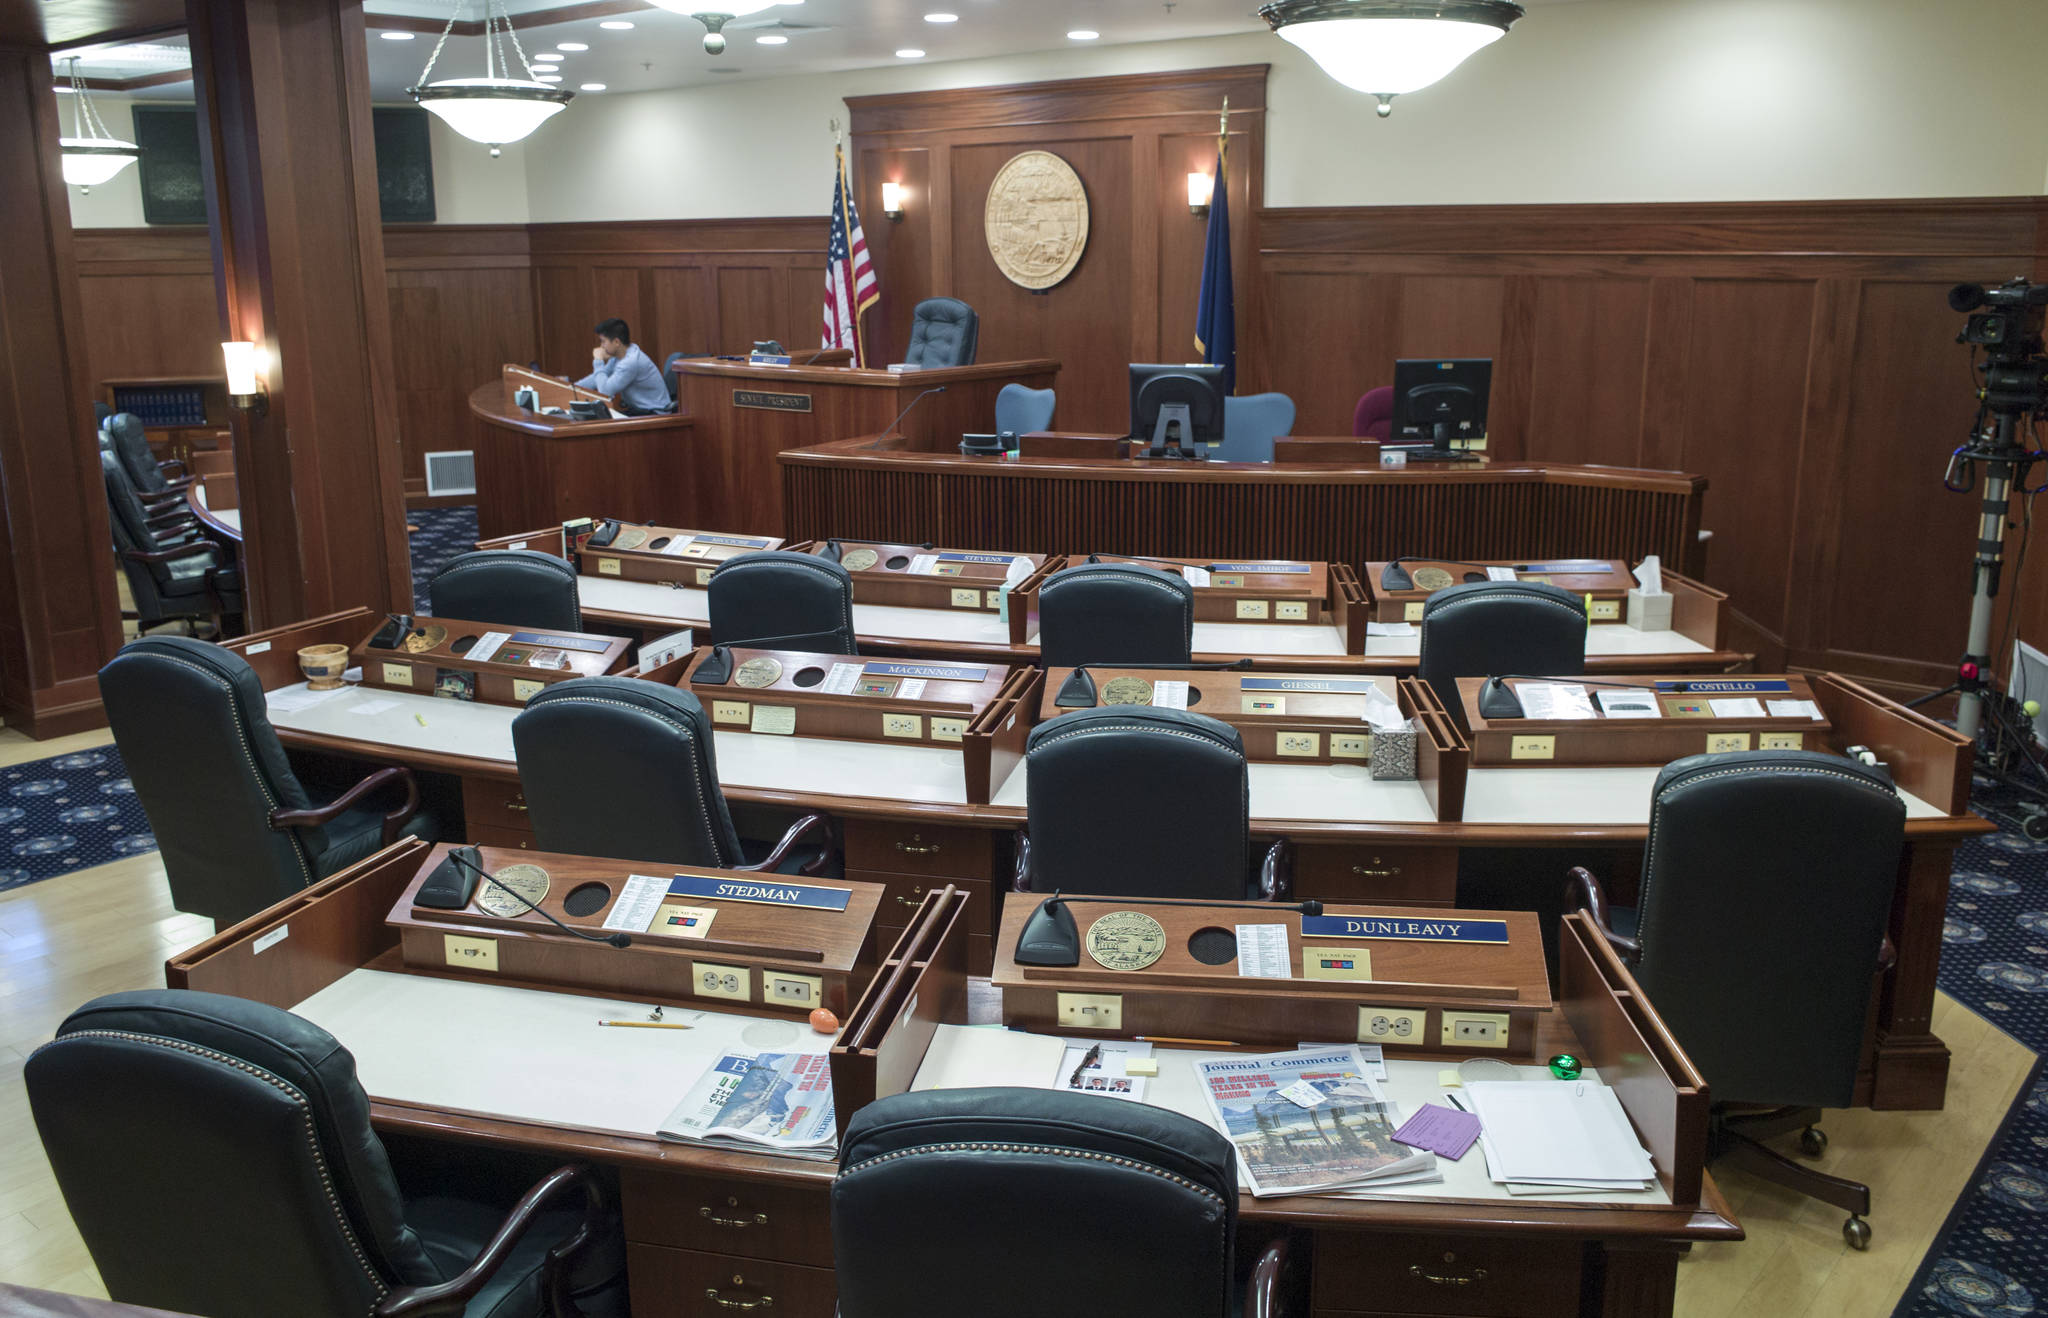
{"type": "Point", "coordinates": [1102, 1066]}
{"type": "Point", "coordinates": [1306, 1121]}
{"type": "Point", "coordinates": [1169, 695]}
{"type": "Point", "coordinates": [1639, 703]}
{"type": "Point", "coordinates": [1554, 700]}
{"type": "Point", "coordinates": [1795, 709]}
{"type": "Point", "coordinates": [760, 1103]}
{"type": "Point", "coordinates": [1737, 707]}
{"type": "Point", "coordinates": [1390, 629]}
{"type": "Point", "coordinates": [1548, 1137]}
{"type": "Point", "coordinates": [1262, 952]}
{"type": "Point", "coordinates": [295, 698]}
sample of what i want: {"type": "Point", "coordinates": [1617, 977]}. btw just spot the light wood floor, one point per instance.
{"type": "Point", "coordinates": [109, 928]}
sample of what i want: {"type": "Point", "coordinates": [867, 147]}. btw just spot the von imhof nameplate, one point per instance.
{"type": "Point", "coordinates": [928, 576]}
{"type": "Point", "coordinates": [668, 553]}
{"type": "Point", "coordinates": [978, 709]}
{"type": "Point", "coordinates": [1245, 590]}
{"type": "Point", "coordinates": [1693, 716]}
{"type": "Point", "coordinates": [482, 661]}
{"type": "Point", "coordinates": [1606, 580]}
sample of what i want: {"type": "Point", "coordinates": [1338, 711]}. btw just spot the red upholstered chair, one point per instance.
{"type": "Point", "coordinates": [1374, 416]}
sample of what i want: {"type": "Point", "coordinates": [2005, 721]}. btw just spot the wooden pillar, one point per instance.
{"type": "Point", "coordinates": [290, 169]}
{"type": "Point", "coordinates": [60, 617]}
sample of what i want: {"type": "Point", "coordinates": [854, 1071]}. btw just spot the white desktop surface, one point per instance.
{"type": "Point", "coordinates": [529, 1055]}
{"type": "Point", "coordinates": [926, 774]}
{"type": "Point", "coordinates": [1580, 795]}
{"type": "Point", "coordinates": [1317, 639]}
{"type": "Point", "coordinates": [1606, 639]}
{"type": "Point", "coordinates": [451, 727]}
{"type": "Point", "coordinates": [691, 607]}
{"type": "Point", "coordinates": [1333, 793]}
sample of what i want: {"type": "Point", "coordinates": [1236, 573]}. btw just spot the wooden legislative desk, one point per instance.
{"type": "Point", "coordinates": [708, 1231]}
{"type": "Point", "coordinates": [1326, 512]}
{"type": "Point", "coordinates": [746, 415]}
{"type": "Point", "coordinates": [906, 821]}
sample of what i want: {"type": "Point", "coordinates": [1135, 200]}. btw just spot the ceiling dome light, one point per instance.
{"type": "Point", "coordinates": [397, 36]}
{"type": "Point", "coordinates": [910, 52]}
{"type": "Point", "coordinates": [616, 25]}
{"type": "Point", "coordinates": [1386, 48]}
{"type": "Point", "coordinates": [498, 107]}
{"type": "Point", "coordinates": [771, 39]}
{"type": "Point", "coordinates": [1083, 34]}
{"type": "Point", "coordinates": [715, 14]}
{"type": "Point", "coordinates": [571, 46]}
{"type": "Point", "coordinates": [92, 155]}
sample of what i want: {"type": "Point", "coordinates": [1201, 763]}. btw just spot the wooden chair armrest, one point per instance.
{"type": "Point", "coordinates": [1582, 892]}
{"type": "Point", "coordinates": [1262, 1292]}
{"type": "Point", "coordinates": [179, 463]}
{"type": "Point", "coordinates": [394, 822]}
{"type": "Point", "coordinates": [1887, 954]}
{"type": "Point", "coordinates": [1020, 878]}
{"type": "Point", "coordinates": [1276, 872]}
{"type": "Point", "coordinates": [173, 510]}
{"type": "Point", "coordinates": [448, 1299]}
{"type": "Point", "coordinates": [177, 483]}
{"type": "Point", "coordinates": [207, 547]}
{"type": "Point", "coordinates": [798, 831]}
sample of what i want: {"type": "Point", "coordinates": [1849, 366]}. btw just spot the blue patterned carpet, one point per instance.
{"type": "Point", "coordinates": [68, 813]}
{"type": "Point", "coordinates": [443, 533]}
{"type": "Point", "coordinates": [1990, 1259]}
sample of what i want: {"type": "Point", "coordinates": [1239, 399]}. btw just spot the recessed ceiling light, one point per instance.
{"type": "Point", "coordinates": [590, 86]}
{"type": "Point", "coordinates": [942, 18]}
{"type": "Point", "coordinates": [909, 52]}
{"type": "Point", "coordinates": [397, 36]}
{"type": "Point", "coordinates": [570, 45]}
{"type": "Point", "coordinates": [548, 77]}
{"type": "Point", "coordinates": [1082, 34]}
{"type": "Point", "coordinates": [771, 39]}
{"type": "Point", "coordinates": [616, 25]}
{"type": "Point", "coordinates": [547, 57]}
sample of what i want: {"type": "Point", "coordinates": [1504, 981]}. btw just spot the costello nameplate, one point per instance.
{"type": "Point", "coordinates": [1724, 687]}
{"type": "Point", "coordinates": [766, 892]}
{"type": "Point", "coordinates": [767, 402]}
{"type": "Point", "coordinates": [1405, 929]}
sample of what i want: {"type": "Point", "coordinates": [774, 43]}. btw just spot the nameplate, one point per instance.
{"type": "Point", "coordinates": [744, 542]}
{"type": "Point", "coordinates": [768, 402]}
{"type": "Point", "coordinates": [585, 644]}
{"type": "Point", "coordinates": [763, 892]}
{"type": "Point", "coordinates": [937, 672]}
{"type": "Point", "coordinates": [1404, 929]}
{"type": "Point", "coordinates": [1266, 569]}
{"type": "Point", "coordinates": [766, 359]}
{"type": "Point", "coordinates": [1568, 565]}
{"type": "Point", "coordinates": [1721, 687]}
{"type": "Point", "coordinates": [977, 558]}
{"type": "Point", "coordinates": [1340, 685]}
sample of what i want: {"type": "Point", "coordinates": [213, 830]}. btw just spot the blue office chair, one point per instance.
{"type": "Point", "coordinates": [1020, 410]}
{"type": "Point", "coordinates": [1250, 425]}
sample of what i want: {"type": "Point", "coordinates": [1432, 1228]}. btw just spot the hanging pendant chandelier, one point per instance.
{"type": "Point", "coordinates": [499, 107]}
{"type": "Point", "coordinates": [715, 14]}
{"type": "Point", "coordinates": [1386, 48]}
{"type": "Point", "coordinates": [92, 155]}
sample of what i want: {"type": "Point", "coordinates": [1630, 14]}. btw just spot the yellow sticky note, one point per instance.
{"type": "Point", "coordinates": [1142, 1066]}
{"type": "Point", "coordinates": [1448, 1078]}
{"type": "Point", "coordinates": [774, 720]}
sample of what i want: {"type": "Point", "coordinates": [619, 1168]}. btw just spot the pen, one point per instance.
{"type": "Point", "coordinates": [1188, 1043]}
{"type": "Point", "coordinates": [646, 1025]}
{"type": "Point", "coordinates": [1452, 1099]}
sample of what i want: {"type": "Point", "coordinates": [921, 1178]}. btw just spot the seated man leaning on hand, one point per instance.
{"type": "Point", "coordinates": [624, 374]}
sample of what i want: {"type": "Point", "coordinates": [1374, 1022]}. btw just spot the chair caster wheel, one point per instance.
{"type": "Point", "coordinates": [1813, 1141]}
{"type": "Point", "coordinates": [1857, 1232]}
{"type": "Point", "coordinates": [2035, 826]}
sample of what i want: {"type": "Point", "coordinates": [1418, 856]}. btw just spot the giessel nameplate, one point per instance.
{"type": "Point", "coordinates": [764, 892]}
{"type": "Point", "coordinates": [1404, 928]}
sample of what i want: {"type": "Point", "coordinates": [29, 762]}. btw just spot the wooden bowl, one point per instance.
{"type": "Point", "coordinates": [323, 666]}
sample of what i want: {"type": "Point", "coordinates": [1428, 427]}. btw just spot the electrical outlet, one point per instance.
{"type": "Point", "coordinates": [1605, 611]}
{"type": "Point", "coordinates": [948, 729]}
{"type": "Point", "coordinates": [1473, 1029]}
{"type": "Point", "coordinates": [1091, 1011]}
{"type": "Point", "coordinates": [903, 725]}
{"type": "Point", "coordinates": [1351, 745]}
{"type": "Point", "coordinates": [1251, 608]}
{"type": "Point", "coordinates": [704, 575]}
{"type": "Point", "coordinates": [1395, 1025]}
{"type": "Point", "coordinates": [1781, 741]}
{"type": "Point", "coordinates": [966, 599]}
{"type": "Point", "coordinates": [735, 982]}
{"type": "Point", "coordinates": [1532, 748]}
{"type": "Point", "coordinates": [729, 711]}
{"type": "Point", "coordinates": [1291, 610]}
{"type": "Point", "coordinates": [1720, 742]}
{"type": "Point", "coordinates": [780, 988]}
{"type": "Point", "coordinates": [1308, 744]}
{"type": "Point", "coordinates": [1411, 612]}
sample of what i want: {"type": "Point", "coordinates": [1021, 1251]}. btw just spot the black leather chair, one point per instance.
{"type": "Point", "coordinates": [1078, 1204]}
{"type": "Point", "coordinates": [782, 600]}
{"type": "Point", "coordinates": [1766, 887]}
{"type": "Point", "coordinates": [1128, 800]}
{"type": "Point", "coordinates": [1115, 613]}
{"type": "Point", "coordinates": [614, 766]}
{"type": "Point", "coordinates": [944, 331]}
{"type": "Point", "coordinates": [1498, 628]}
{"type": "Point", "coordinates": [671, 379]}
{"type": "Point", "coordinates": [173, 570]}
{"type": "Point", "coordinates": [510, 587]}
{"type": "Point", "coordinates": [216, 1155]}
{"type": "Point", "coordinates": [237, 829]}
{"type": "Point", "coordinates": [131, 445]}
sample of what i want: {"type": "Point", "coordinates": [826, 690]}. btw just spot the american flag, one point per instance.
{"type": "Point", "coordinates": [849, 275]}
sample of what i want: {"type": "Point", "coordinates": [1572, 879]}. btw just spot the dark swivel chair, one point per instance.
{"type": "Point", "coordinates": [217, 1156]}
{"type": "Point", "coordinates": [781, 600]}
{"type": "Point", "coordinates": [1079, 1204]}
{"type": "Point", "coordinates": [1020, 410]}
{"type": "Point", "coordinates": [614, 766]}
{"type": "Point", "coordinates": [509, 587]}
{"type": "Point", "coordinates": [944, 331]}
{"type": "Point", "coordinates": [672, 379]}
{"type": "Point", "coordinates": [1088, 828]}
{"type": "Point", "coordinates": [131, 445]}
{"type": "Point", "coordinates": [1766, 887]}
{"type": "Point", "coordinates": [1116, 614]}
{"type": "Point", "coordinates": [1499, 628]}
{"type": "Point", "coordinates": [173, 571]}
{"type": "Point", "coordinates": [1373, 418]}
{"type": "Point", "coordinates": [237, 829]}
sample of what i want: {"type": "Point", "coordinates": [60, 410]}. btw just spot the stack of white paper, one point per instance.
{"type": "Point", "coordinates": [1545, 1137]}
{"type": "Point", "coordinates": [1554, 700]}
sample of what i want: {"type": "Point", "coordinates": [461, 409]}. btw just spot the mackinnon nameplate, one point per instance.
{"type": "Point", "coordinates": [1036, 219]}
{"type": "Point", "coordinates": [768, 402]}
{"type": "Point", "coordinates": [1448, 930]}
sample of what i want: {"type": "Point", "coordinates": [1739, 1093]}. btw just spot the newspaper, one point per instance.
{"type": "Point", "coordinates": [770, 1102]}
{"type": "Point", "coordinates": [1306, 1121]}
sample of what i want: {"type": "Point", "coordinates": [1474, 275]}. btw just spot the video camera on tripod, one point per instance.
{"type": "Point", "coordinates": [2015, 373]}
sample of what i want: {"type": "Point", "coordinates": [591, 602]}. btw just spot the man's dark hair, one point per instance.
{"type": "Point", "coordinates": [615, 329]}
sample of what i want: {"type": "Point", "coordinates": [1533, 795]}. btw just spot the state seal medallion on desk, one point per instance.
{"type": "Point", "coordinates": [1127, 691]}
{"type": "Point", "coordinates": [1431, 578]}
{"type": "Point", "coordinates": [859, 560]}
{"type": "Point", "coordinates": [528, 881]}
{"type": "Point", "coordinates": [758, 671]}
{"type": "Point", "coordinates": [1126, 940]}
{"type": "Point", "coordinates": [426, 638]}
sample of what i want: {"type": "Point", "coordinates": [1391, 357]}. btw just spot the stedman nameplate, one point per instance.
{"type": "Point", "coordinates": [771, 402]}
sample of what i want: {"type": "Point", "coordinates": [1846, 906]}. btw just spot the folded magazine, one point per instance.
{"type": "Point", "coordinates": [1306, 1121]}
{"type": "Point", "coordinates": [772, 1103]}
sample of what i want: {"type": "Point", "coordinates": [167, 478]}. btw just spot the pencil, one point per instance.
{"type": "Point", "coordinates": [646, 1025]}
{"type": "Point", "coordinates": [1188, 1043]}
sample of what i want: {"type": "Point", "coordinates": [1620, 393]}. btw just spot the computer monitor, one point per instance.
{"type": "Point", "coordinates": [1177, 410]}
{"type": "Point", "coordinates": [1438, 402]}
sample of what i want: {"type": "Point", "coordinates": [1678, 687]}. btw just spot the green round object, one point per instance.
{"type": "Point", "coordinates": [1566, 1067]}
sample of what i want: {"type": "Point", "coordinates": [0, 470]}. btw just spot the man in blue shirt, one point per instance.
{"type": "Point", "coordinates": [624, 374]}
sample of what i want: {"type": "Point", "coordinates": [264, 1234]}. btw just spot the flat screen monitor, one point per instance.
{"type": "Point", "coordinates": [1177, 410]}
{"type": "Point", "coordinates": [1440, 403]}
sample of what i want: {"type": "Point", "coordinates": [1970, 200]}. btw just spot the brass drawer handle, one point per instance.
{"type": "Point", "coordinates": [929, 849]}
{"type": "Point", "coordinates": [739, 1223]}
{"type": "Point", "coordinates": [711, 1293]}
{"type": "Point", "coordinates": [1448, 1278]}
{"type": "Point", "coordinates": [916, 899]}
{"type": "Point", "coordinates": [517, 807]}
{"type": "Point", "coordinates": [1370, 873]}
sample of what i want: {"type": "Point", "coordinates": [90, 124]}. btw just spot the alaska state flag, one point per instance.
{"type": "Point", "coordinates": [1216, 317]}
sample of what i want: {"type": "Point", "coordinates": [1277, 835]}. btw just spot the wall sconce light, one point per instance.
{"type": "Point", "coordinates": [892, 200]}
{"type": "Point", "coordinates": [245, 377]}
{"type": "Point", "coordinates": [1200, 188]}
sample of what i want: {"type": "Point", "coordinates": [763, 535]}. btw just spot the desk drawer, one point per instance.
{"type": "Point", "coordinates": [1386, 876]}
{"type": "Point", "coordinates": [750, 1219]}
{"type": "Point", "coordinates": [483, 835]}
{"type": "Point", "coordinates": [1360, 1272]}
{"type": "Point", "coordinates": [683, 1283]}
{"type": "Point", "coordinates": [899, 848]}
{"type": "Point", "coordinates": [494, 803]}
{"type": "Point", "coordinates": [906, 893]}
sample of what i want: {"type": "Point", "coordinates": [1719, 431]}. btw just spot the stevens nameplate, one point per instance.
{"type": "Point", "coordinates": [768, 402]}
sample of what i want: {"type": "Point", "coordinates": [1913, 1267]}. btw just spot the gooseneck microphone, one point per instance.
{"type": "Point", "coordinates": [935, 389]}
{"type": "Point", "coordinates": [1049, 937]}
{"type": "Point", "coordinates": [615, 940]}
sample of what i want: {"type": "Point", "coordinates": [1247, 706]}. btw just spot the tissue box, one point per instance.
{"type": "Point", "coordinates": [1649, 613]}
{"type": "Point", "coordinates": [1393, 754]}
